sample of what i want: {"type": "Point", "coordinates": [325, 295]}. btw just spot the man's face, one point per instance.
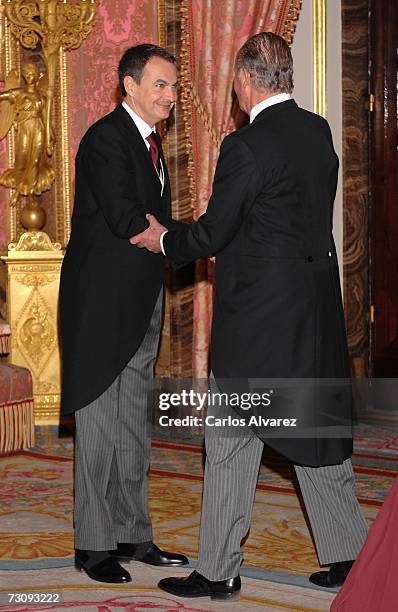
{"type": "Point", "coordinates": [242, 89]}
{"type": "Point", "coordinates": [154, 97]}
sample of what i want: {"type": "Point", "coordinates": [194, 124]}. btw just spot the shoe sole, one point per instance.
{"type": "Point", "coordinates": [81, 568]}
{"type": "Point", "coordinates": [326, 586]}
{"type": "Point", "coordinates": [128, 559]}
{"type": "Point", "coordinates": [214, 596]}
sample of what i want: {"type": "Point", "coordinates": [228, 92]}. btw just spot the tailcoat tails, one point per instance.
{"type": "Point", "coordinates": [277, 309]}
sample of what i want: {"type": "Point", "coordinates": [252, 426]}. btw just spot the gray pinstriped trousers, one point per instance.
{"type": "Point", "coordinates": [232, 464]}
{"type": "Point", "coordinates": [112, 454]}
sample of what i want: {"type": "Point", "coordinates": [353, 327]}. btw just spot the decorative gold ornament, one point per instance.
{"type": "Point", "coordinates": [33, 267]}
{"type": "Point", "coordinates": [30, 280]}
{"type": "Point", "coordinates": [49, 27]}
{"type": "Point", "coordinates": [36, 330]}
{"type": "Point", "coordinates": [55, 25]}
{"type": "Point", "coordinates": [33, 241]}
{"type": "Point", "coordinates": [24, 108]}
{"type": "Point", "coordinates": [319, 56]}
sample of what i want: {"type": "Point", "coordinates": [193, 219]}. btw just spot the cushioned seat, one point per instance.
{"type": "Point", "coordinates": [17, 428]}
{"type": "Point", "coordinates": [5, 333]}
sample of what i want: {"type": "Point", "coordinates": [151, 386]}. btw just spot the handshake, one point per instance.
{"type": "Point", "coordinates": [150, 238]}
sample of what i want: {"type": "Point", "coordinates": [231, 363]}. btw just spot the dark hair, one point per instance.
{"type": "Point", "coordinates": [267, 58]}
{"type": "Point", "coordinates": [133, 61]}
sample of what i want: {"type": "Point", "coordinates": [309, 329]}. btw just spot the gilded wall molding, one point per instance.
{"type": "Point", "coordinates": [161, 23]}
{"type": "Point", "coordinates": [63, 187]}
{"type": "Point", "coordinates": [11, 60]}
{"type": "Point", "coordinates": [319, 56]}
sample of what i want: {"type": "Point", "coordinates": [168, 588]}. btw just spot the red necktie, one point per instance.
{"type": "Point", "coordinates": [153, 149]}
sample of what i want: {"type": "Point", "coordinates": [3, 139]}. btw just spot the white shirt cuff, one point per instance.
{"type": "Point", "coordinates": [161, 241]}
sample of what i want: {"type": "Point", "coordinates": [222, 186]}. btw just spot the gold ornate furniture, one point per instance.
{"type": "Point", "coordinates": [34, 266]}
{"type": "Point", "coordinates": [33, 116]}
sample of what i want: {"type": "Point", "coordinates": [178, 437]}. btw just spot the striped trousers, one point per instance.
{"type": "Point", "coordinates": [112, 454]}
{"type": "Point", "coordinates": [338, 526]}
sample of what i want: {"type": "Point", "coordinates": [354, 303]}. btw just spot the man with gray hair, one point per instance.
{"type": "Point", "coordinates": [277, 315]}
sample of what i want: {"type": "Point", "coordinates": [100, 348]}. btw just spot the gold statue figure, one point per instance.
{"type": "Point", "coordinates": [25, 108]}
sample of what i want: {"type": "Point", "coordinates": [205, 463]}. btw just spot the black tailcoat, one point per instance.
{"type": "Point", "coordinates": [108, 287]}
{"type": "Point", "coordinates": [277, 309]}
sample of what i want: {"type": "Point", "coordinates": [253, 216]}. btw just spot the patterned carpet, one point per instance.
{"type": "Point", "coordinates": [36, 534]}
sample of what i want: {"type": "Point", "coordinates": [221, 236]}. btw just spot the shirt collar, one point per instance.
{"type": "Point", "coordinates": [144, 129]}
{"type": "Point", "coordinates": [277, 99]}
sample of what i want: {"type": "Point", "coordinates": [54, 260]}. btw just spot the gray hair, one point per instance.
{"type": "Point", "coordinates": [267, 58]}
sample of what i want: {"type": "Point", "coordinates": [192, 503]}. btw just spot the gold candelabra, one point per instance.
{"type": "Point", "coordinates": [54, 25]}
{"type": "Point", "coordinates": [33, 110]}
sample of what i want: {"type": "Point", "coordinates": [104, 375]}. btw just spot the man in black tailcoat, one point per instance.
{"type": "Point", "coordinates": [278, 316]}
{"type": "Point", "coordinates": [111, 306]}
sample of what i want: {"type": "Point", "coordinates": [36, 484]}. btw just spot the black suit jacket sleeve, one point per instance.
{"type": "Point", "coordinates": [237, 181]}
{"type": "Point", "coordinates": [333, 179]}
{"type": "Point", "coordinates": [107, 165]}
{"type": "Point", "coordinates": [169, 223]}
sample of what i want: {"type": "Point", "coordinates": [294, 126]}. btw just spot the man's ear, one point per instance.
{"type": "Point", "coordinates": [245, 77]}
{"type": "Point", "coordinates": [129, 85]}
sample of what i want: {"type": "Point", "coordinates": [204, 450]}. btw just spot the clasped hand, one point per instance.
{"type": "Point", "coordinates": [150, 238]}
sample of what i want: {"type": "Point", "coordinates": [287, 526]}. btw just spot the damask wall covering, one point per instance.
{"type": "Point", "coordinates": [93, 68]}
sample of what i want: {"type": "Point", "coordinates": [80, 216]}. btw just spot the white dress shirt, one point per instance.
{"type": "Point", "coordinates": [145, 130]}
{"type": "Point", "coordinates": [276, 99]}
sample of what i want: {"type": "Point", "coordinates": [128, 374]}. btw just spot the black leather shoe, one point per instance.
{"type": "Point", "coordinates": [335, 576]}
{"type": "Point", "coordinates": [196, 585]}
{"type": "Point", "coordinates": [101, 566]}
{"type": "Point", "coordinates": [151, 554]}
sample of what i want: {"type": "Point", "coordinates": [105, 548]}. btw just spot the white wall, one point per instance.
{"type": "Point", "coordinates": [302, 51]}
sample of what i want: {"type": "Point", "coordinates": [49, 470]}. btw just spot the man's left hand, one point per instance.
{"type": "Point", "coordinates": [150, 238]}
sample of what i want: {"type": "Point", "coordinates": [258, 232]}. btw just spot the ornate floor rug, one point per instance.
{"type": "Point", "coordinates": [36, 537]}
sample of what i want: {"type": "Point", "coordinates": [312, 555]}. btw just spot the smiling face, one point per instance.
{"type": "Point", "coordinates": [154, 97]}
